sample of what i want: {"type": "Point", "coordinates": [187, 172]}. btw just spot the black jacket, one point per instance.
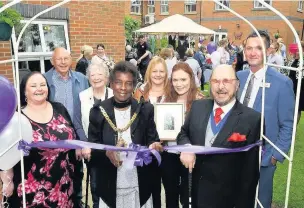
{"type": "Point", "coordinates": [82, 65]}
{"type": "Point", "coordinates": [143, 132]}
{"type": "Point", "coordinates": [223, 180]}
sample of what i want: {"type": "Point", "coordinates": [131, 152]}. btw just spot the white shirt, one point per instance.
{"type": "Point", "coordinates": [225, 108]}
{"type": "Point", "coordinates": [258, 79]}
{"type": "Point", "coordinates": [194, 65]}
{"type": "Point", "coordinates": [275, 59]}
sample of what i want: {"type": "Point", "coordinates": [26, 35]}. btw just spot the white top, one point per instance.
{"type": "Point", "coordinates": [97, 60]}
{"type": "Point", "coordinates": [275, 59]}
{"type": "Point", "coordinates": [194, 65]}
{"type": "Point", "coordinates": [87, 101]}
{"type": "Point", "coordinates": [126, 178]}
{"type": "Point", "coordinates": [258, 79]}
{"type": "Point", "coordinates": [220, 56]}
{"type": "Point", "coordinates": [170, 64]}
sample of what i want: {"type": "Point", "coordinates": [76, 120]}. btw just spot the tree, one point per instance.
{"type": "Point", "coordinates": [130, 26]}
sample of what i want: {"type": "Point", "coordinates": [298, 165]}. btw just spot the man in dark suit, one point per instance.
{"type": "Point", "coordinates": [117, 185]}
{"type": "Point", "coordinates": [222, 180]}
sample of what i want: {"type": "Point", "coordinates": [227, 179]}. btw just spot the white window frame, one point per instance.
{"type": "Point", "coordinates": [136, 4]}
{"type": "Point", "coordinates": [300, 5]}
{"type": "Point", "coordinates": [164, 6]}
{"type": "Point", "coordinates": [42, 56]}
{"type": "Point", "coordinates": [40, 23]}
{"type": "Point", "coordinates": [151, 6]}
{"type": "Point", "coordinates": [257, 4]}
{"type": "Point", "coordinates": [190, 3]}
{"type": "Point", "coordinates": [219, 7]}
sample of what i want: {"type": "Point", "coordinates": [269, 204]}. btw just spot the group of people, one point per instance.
{"type": "Point", "coordinates": [104, 106]}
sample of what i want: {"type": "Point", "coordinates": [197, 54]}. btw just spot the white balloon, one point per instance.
{"type": "Point", "coordinates": [10, 135]}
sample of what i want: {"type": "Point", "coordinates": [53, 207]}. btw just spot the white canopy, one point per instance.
{"type": "Point", "coordinates": [176, 24]}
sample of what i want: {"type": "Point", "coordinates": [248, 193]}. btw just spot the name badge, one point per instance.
{"type": "Point", "coordinates": [61, 126]}
{"type": "Point", "coordinates": [267, 85]}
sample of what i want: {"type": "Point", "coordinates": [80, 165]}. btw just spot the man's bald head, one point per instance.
{"type": "Point", "coordinates": [223, 84]}
{"type": "Point", "coordinates": [62, 61]}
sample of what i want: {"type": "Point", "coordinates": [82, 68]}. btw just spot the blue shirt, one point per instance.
{"type": "Point", "coordinates": [79, 84]}
{"type": "Point", "coordinates": [63, 92]}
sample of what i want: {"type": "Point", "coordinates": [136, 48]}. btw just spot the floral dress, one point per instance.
{"type": "Point", "coordinates": [49, 172]}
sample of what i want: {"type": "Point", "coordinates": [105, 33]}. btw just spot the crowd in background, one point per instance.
{"type": "Point", "coordinates": [65, 104]}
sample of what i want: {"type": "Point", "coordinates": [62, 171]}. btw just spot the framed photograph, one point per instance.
{"type": "Point", "coordinates": [169, 118]}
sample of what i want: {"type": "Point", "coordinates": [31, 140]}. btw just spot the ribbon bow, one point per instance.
{"type": "Point", "coordinates": [25, 147]}
{"type": "Point", "coordinates": [143, 155]}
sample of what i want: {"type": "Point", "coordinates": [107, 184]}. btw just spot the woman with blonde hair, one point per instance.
{"type": "Point", "coordinates": [156, 82]}
{"type": "Point", "coordinates": [153, 90]}
{"type": "Point", "coordinates": [275, 56]}
{"type": "Point", "coordinates": [84, 59]}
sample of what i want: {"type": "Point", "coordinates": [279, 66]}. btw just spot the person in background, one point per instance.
{"type": "Point", "coordinates": [194, 65]}
{"type": "Point", "coordinates": [49, 173]}
{"type": "Point", "coordinates": [143, 55]}
{"type": "Point", "coordinates": [102, 58]}
{"type": "Point", "coordinates": [294, 76]}
{"type": "Point", "coordinates": [65, 86]}
{"type": "Point", "coordinates": [222, 180]}
{"type": "Point", "coordinates": [200, 56]}
{"type": "Point", "coordinates": [282, 48]}
{"type": "Point", "coordinates": [130, 54]}
{"type": "Point", "coordinates": [98, 77]}
{"type": "Point", "coordinates": [279, 109]}
{"type": "Point", "coordinates": [182, 47]}
{"type": "Point", "coordinates": [84, 60]}
{"type": "Point", "coordinates": [220, 56]}
{"type": "Point", "coordinates": [166, 54]}
{"type": "Point", "coordinates": [119, 185]}
{"type": "Point", "coordinates": [175, 55]}
{"type": "Point", "coordinates": [174, 175]}
{"type": "Point", "coordinates": [240, 58]}
{"type": "Point", "coordinates": [211, 46]}
{"type": "Point", "coordinates": [274, 56]}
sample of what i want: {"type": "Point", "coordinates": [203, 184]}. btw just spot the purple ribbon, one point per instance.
{"type": "Point", "coordinates": [143, 154]}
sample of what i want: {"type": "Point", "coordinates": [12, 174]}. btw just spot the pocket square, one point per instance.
{"type": "Point", "coordinates": [237, 137]}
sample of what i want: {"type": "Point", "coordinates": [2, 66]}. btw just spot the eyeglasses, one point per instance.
{"type": "Point", "coordinates": [223, 81]}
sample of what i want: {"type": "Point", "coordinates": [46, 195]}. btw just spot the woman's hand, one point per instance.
{"type": "Point", "coordinates": [86, 153]}
{"type": "Point", "coordinates": [78, 153]}
{"type": "Point", "coordinates": [114, 158]}
{"type": "Point", "coordinates": [157, 146]}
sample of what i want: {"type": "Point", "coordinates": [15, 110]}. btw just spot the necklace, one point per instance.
{"type": "Point", "coordinates": [120, 142]}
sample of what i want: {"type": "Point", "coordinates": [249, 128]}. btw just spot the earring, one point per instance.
{"type": "Point", "coordinates": [26, 99]}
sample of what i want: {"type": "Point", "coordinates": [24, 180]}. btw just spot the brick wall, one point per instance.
{"type": "Point", "coordinates": [213, 19]}
{"type": "Point", "coordinates": [89, 23]}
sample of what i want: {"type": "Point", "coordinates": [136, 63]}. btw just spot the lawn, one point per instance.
{"type": "Point", "coordinates": [296, 197]}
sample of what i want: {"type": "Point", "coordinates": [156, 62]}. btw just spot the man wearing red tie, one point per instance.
{"type": "Point", "coordinates": [222, 180]}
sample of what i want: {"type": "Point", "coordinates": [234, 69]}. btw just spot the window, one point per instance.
{"type": "Point", "coordinates": [151, 7]}
{"type": "Point", "coordinates": [300, 5]}
{"type": "Point", "coordinates": [164, 6]}
{"type": "Point", "coordinates": [38, 41]}
{"type": "Point", "coordinates": [219, 7]}
{"type": "Point", "coordinates": [135, 6]}
{"type": "Point", "coordinates": [258, 5]}
{"type": "Point", "coordinates": [190, 6]}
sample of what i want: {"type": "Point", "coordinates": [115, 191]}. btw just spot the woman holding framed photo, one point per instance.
{"type": "Point", "coordinates": [182, 90]}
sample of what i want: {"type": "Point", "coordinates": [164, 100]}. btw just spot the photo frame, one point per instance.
{"type": "Point", "coordinates": [169, 118]}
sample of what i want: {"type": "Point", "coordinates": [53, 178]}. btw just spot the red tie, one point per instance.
{"type": "Point", "coordinates": [218, 113]}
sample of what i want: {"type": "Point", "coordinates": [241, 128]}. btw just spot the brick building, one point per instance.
{"type": "Point", "coordinates": [71, 25]}
{"type": "Point", "coordinates": [212, 16]}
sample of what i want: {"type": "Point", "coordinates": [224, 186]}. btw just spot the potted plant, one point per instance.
{"type": "Point", "coordinates": [8, 19]}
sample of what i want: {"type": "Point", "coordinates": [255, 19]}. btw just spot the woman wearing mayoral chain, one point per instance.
{"type": "Point", "coordinates": [122, 120]}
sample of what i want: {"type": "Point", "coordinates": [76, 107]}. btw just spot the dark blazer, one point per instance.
{"type": "Point", "coordinates": [223, 180]}
{"type": "Point", "coordinates": [143, 132]}
{"type": "Point", "coordinates": [82, 66]}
